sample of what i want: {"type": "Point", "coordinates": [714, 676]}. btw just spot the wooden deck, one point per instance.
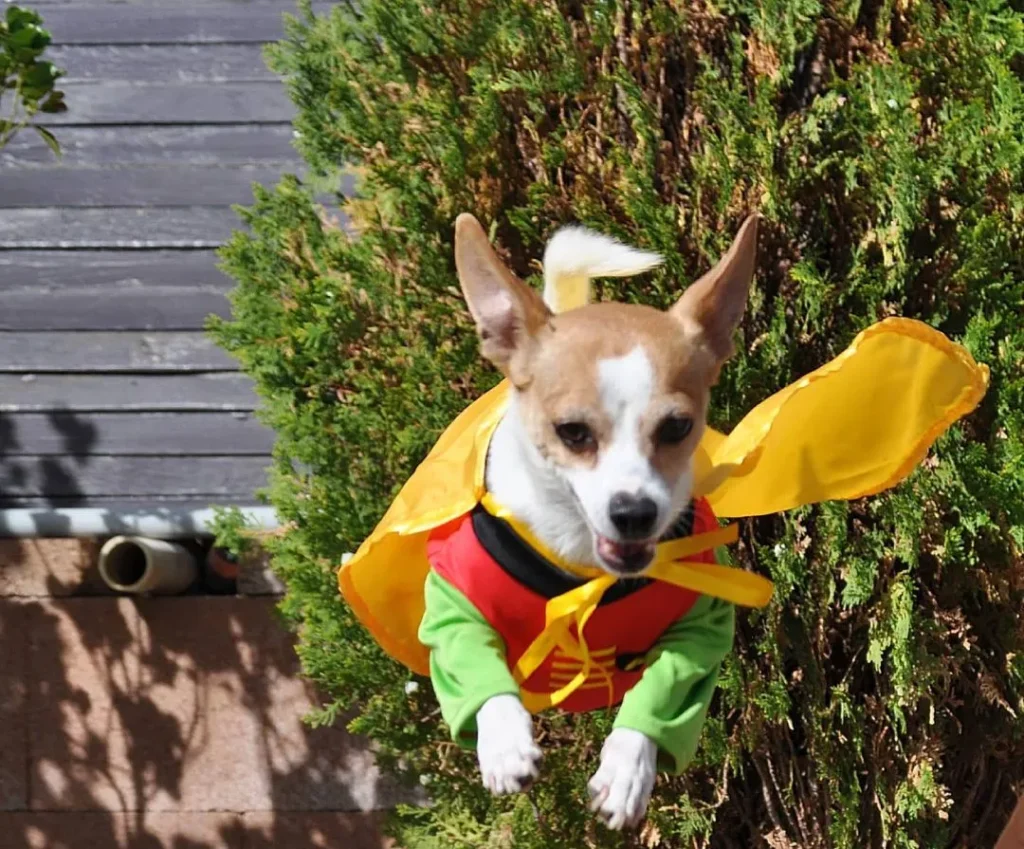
{"type": "Point", "coordinates": [110, 393]}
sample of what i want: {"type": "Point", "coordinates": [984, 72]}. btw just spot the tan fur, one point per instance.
{"type": "Point", "coordinates": [508, 313]}
{"type": "Point", "coordinates": [711, 307]}
{"type": "Point", "coordinates": [564, 385]}
{"type": "Point", "coordinates": [552, 360]}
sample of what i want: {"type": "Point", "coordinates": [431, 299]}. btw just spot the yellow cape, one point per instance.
{"type": "Point", "coordinates": [854, 427]}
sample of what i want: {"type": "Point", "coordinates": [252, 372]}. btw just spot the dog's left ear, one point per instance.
{"type": "Point", "coordinates": [712, 307]}
{"type": "Point", "coordinates": [508, 313]}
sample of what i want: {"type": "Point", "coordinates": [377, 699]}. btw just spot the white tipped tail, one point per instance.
{"type": "Point", "coordinates": [576, 255]}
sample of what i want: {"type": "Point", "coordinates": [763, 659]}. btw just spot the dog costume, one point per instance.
{"type": "Point", "coordinates": [453, 586]}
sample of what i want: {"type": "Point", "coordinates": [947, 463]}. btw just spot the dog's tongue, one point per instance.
{"type": "Point", "coordinates": [625, 556]}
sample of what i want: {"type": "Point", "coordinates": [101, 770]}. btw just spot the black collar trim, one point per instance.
{"type": "Point", "coordinates": [538, 574]}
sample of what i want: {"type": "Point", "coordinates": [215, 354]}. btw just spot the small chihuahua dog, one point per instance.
{"type": "Point", "coordinates": [595, 452]}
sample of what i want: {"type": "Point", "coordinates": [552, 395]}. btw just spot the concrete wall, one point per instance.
{"type": "Point", "coordinates": [165, 723]}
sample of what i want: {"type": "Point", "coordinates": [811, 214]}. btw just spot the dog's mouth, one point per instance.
{"type": "Point", "coordinates": [625, 558]}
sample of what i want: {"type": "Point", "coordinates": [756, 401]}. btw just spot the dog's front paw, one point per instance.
{"type": "Point", "coordinates": [622, 785]}
{"type": "Point", "coordinates": [505, 748]}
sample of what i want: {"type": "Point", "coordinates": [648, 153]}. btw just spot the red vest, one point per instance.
{"type": "Point", "coordinates": [619, 634]}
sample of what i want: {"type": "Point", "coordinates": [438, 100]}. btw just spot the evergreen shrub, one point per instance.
{"type": "Point", "coordinates": [877, 703]}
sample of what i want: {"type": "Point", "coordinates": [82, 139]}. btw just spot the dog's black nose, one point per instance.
{"type": "Point", "coordinates": [633, 517]}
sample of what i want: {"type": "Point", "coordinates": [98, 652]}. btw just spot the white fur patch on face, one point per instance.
{"type": "Point", "coordinates": [626, 385]}
{"type": "Point", "coordinates": [550, 498]}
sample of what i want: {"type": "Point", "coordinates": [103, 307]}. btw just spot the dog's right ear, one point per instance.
{"type": "Point", "coordinates": [507, 312]}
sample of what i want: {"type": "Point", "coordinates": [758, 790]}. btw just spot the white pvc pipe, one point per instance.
{"type": "Point", "coordinates": [156, 523]}
{"type": "Point", "coordinates": [146, 566]}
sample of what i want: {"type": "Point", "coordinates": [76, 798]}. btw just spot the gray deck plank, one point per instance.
{"type": "Point", "coordinates": [104, 351]}
{"type": "Point", "coordinates": [104, 272]}
{"type": "Point", "coordinates": [173, 103]}
{"type": "Point", "coordinates": [178, 227]}
{"type": "Point", "coordinates": [142, 434]}
{"type": "Point", "coordinates": [181, 22]}
{"type": "Point", "coordinates": [285, 5]}
{"type": "Point", "coordinates": [114, 393]}
{"type": "Point", "coordinates": [137, 309]}
{"type": "Point", "coordinates": [146, 63]}
{"type": "Point", "coordinates": [130, 476]}
{"type": "Point", "coordinates": [119, 505]}
{"type": "Point", "coordinates": [110, 394]}
{"type": "Point", "coordinates": [164, 185]}
{"type": "Point", "coordinates": [149, 145]}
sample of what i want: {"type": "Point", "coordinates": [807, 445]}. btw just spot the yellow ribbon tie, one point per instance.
{"type": "Point", "coordinates": [578, 605]}
{"type": "Point", "coordinates": [560, 613]}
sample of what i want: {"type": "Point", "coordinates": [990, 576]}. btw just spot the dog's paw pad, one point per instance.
{"type": "Point", "coordinates": [621, 788]}
{"type": "Point", "coordinates": [506, 750]}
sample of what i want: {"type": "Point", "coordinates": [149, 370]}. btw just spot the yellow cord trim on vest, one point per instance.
{"type": "Point", "coordinates": [566, 616]}
{"type": "Point", "coordinates": [496, 509]}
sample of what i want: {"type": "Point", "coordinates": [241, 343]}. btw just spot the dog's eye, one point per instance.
{"type": "Point", "coordinates": [576, 435]}
{"type": "Point", "coordinates": [673, 430]}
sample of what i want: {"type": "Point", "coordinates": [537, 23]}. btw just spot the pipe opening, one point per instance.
{"type": "Point", "coordinates": [126, 564]}
{"type": "Point", "coordinates": [147, 566]}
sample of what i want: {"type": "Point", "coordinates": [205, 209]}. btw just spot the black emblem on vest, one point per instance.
{"type": "Point", "coordinates": [630, 661]}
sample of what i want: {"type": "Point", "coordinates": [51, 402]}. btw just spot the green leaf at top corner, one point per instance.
{"type": "Point", "coordinates": [30, 39]}
{"type": "Point", "coordinates": [18, 17]}
{"type": "Point", "coordinates": [49, 138]}
{"type": "Point", "coordinates": [41, 75]}
{"type": "Point", "coordinates": [54, 103]}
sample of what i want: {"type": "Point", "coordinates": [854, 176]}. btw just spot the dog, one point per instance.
{"type": "Point", "coordinates": [595, 452]}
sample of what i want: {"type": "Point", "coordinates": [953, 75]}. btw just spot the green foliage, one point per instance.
{"type": "Point", "coordinates": [230, 528]}
{"type": "Point", "coordinates": [27, 82]}
{"type": "Point", "coordinates": [877, 702]}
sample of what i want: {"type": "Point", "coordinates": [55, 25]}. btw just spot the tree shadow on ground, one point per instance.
{"type": "Point", "coordinates": [170, 723]}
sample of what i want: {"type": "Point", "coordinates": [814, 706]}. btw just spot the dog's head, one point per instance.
{"type": "Point", "coordinates": [612, 397]}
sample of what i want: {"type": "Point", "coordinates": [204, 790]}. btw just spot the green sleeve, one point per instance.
{"type": "Point", "coordinates": [670, 701]}
{"type": "Point", "coordinates": [467, 657]}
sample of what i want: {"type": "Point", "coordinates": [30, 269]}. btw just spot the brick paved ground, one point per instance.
{"type": "Point", "coordinates": [167, 723]}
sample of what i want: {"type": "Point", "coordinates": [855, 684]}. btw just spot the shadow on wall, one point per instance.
{"type": "Point", "coordinates": [171, 723]}
{"type": "Point", "coordinates": [60, 479]}
{"type": "Point", "coordinates": [23, 474]}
